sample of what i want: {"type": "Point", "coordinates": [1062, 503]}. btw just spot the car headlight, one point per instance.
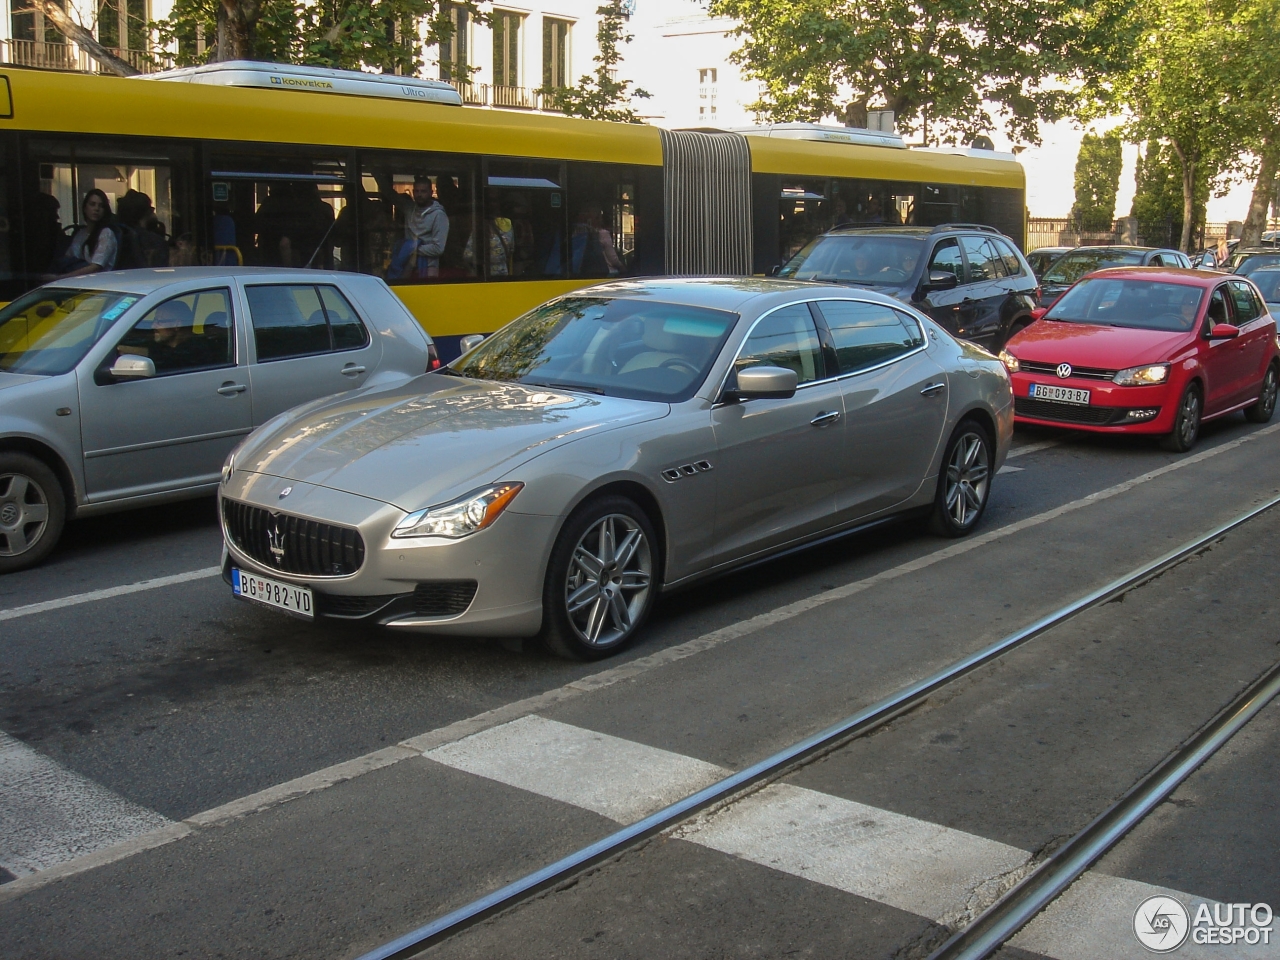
{"type": "Point", "coordinates": [1143, 376]}
{"type": "Point", "coordinates": [1009, 360]}
{"type": "Point", "coordinates": [462, 517]}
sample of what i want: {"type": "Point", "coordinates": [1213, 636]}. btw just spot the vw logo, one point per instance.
{"type": "Point", "coordinates": [275, 538]}
{"type": "Point", "coordinates": [285, 492]}
{"type": "Point", "coordinates": [1064, 370]}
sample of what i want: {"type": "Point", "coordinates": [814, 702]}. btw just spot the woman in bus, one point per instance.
{"type": "Point", "coordinates": [94, 246]}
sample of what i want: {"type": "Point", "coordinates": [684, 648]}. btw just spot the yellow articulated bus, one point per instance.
{"type": "Point", "coordinates": [472, 215]}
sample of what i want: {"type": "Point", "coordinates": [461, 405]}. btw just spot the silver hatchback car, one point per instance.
{"type": "Point", "coordinates": [130, 388]}
{"type": "Point", "coordinates": [608, 445]}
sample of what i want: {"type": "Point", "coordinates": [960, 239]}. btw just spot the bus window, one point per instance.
{"type": "Point", "coordinates": [602, 220]}
{"type": "Point", "coordinates": [416, 216]}
{"type": "Point", "coordinates": [805, 212]}
{"type": "Point", "coordinates": [278, 210]}
{"type": "Point", "coordinates": [148, 186]}
{"type": "Point", "coordinates": [522, 226]}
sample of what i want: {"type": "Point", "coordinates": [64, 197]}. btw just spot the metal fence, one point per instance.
{"type": "Point", "coordinates": [1064, 232]}
{"type": "Point", "coordinates": [69, 56]}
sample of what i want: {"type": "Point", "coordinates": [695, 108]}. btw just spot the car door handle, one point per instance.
{"type": "Point", "coordinates": [230, 389]}
{"type": "Point", "coordinates": [824, 417]}
{"type": "Point", "coordinates": [352, 370]}
{"type": "Point", "coordinates": [932, 389]}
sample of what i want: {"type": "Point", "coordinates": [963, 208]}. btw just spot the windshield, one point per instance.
{"type": "Point", "coordinates": [49, 330]}
{"type": "Point", "coordinates": [877, 261]}
{"type": "Point", "coordinates": [1073, 266]}
{"type": "Point", "coordinates": [1142, 304]}
{"type": "Point", "coordinates": [622, 348]}
{"type": "Point", "coordinates": [1250, 262]}
{"type": "Point", "coordinates": [1268, 282]}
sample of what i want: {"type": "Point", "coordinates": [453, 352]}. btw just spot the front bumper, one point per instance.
{"type": "Point", "coordinates": [1111, 409]}
{"type": "Point", "coordinates": [419, 584]}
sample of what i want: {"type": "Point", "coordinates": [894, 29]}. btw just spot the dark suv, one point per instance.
{"type": "Point", "coordinates": [969, 278]}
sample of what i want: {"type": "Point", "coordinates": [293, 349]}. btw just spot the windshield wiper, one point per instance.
{"type": "Point", "coordinates": [564, 386]}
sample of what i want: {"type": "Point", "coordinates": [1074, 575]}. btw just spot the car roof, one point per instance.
{"type": "Point", "coordinates": [1257, 251]}
{"type": "Point", "coordinates": [1190, 278]}
{"type": "Point", "coordinates": [1121, 248]}
{"type": "Point", "coordinates": [1049, 250]}
{"type": "Point", "coordinates": [146, 280]}
{"type": "Point", "coordinates": [716, 293]}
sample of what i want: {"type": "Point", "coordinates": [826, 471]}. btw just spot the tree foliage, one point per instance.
{"type": "Point", "coordinates": [1098, 167]}
{"type": "Point", "coordinates": [600, 95]}
{"type": "Point", "coordinates": [932, 64]}
{"type": "Point", "coordinates": [344, 34]}
{"type": "Point", "coordinates": [1157, 200]}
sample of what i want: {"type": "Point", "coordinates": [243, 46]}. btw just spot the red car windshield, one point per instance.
{"type": "Point", "coordinates": [1141, 304]}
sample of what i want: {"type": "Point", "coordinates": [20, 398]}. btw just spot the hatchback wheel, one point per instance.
{"type": "Point", "coordinates": [964, 484]}
{"type": "Point", "coordinates": [1186, 424]}
{"type": "Point", "coordinates": [1261, 411]}
{"type": "Point", "coordinates": [601, 581]}
{"type": "Point", "coordinates": [32, 511]}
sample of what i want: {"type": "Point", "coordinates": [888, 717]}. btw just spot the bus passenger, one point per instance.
{"type": "Point", "coordinates": [426, 231]}
{"type": "Point", "coordinates": [140, 245]}
{"type": "Point", "coordinates": [500, 235]}
{"type": "Point", "coordinates": [93, 248]}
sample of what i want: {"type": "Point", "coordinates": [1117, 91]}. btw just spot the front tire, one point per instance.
{"type": "Point", "coordinates": [1186, 424]}
{"type": "Point", "coordinates": [33, 511]}
{"type": "Point", "coordinates": [1261, 411]}
{"type": "Point", "coordinates": [601, 580]}
{"type": "Point", "coordinates": [964, 483]}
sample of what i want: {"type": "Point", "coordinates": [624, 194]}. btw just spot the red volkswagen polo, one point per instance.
{"type": "Point", "coordinates": [1147, 350]}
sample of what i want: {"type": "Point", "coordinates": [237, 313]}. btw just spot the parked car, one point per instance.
{"type": "Point", "coordinates": [1084, 260]}
{"type": "Point", "coordinates": [1042, 258]}
{"type": "Point", "coordinates": [1248, 259]}
{"type": "Point", "coordinates": [130, 388]}
{"type": "Point", "coordinates": [609, 445]}
{"type": "Point", "coordinates": [1267, 280]}
{"type": "Point", "coordinates": [1206, 259]}
{"type": "Point", "coordinates": [1148, 351]}
{"type": "Point", "coordinates": [970, 279]}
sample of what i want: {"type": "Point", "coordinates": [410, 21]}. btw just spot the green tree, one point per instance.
{"type": "Point", "coordinates": [1254, 106]}
{"type": "Point", "coordinates": [1157, 200]}
{"type": "Point", "coordinates": [933, 64]}
{"type": "Point", "coordinates": [1098, 168]}
{"type": "Point", "coordinates": [600, 95]}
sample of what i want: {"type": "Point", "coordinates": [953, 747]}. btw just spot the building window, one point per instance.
{"type": "Point", "coordinates": [122, 24]}
{"type": "Point", "coordinates": [453, 55]}
{"type": "Point", "coordinates": [555, 53]}
{"type": "Point", "coordinates": [707, 92]}
{"type": "Point", "coordinates": [506, 48]}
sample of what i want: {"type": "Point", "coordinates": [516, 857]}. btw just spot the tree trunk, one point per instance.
{"type": "Point", "coordinates": [1263, 190]}
{"type": "Point", "coordinates": [1188, 195]}
{"type": "Point", "coordinates": [237, 21]}
{"type": "Point", "coordinates": [83, 39]}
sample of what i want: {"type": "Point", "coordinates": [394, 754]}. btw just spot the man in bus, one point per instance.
{"type": "Point", "coordinates": [426, 231]}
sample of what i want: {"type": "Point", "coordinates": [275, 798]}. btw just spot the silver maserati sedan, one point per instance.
{"type": "Point", "coordinates": [607, 446]}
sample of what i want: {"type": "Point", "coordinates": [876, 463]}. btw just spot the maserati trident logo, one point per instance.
{"type": "Point", "coordinates": [1064, 370]}
{"type": "Point", "coordinates": [275, 538]}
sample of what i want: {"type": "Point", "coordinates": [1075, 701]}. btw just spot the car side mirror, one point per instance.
{"type": "Point", "coordinates": [1039, 312]}
{"type": "Point", "coordinates": [766, 383]}
{"type": "Point", "coordinates": [471, 341]}
{"type": "Point", "coordinates": [1224, 331]}
{"type": "Point", "coordinates": [131, 367]}
{"type": "Point", "coordinates": [941, 280]}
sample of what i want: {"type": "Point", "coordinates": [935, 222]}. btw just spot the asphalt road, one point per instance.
{"type": "Point", "coordinates": [151, 715]}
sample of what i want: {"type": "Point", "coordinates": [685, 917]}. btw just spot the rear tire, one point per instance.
{"type": "Point", "coordinates": [601, 580]}
{"type": "Point", "coordinates": [1261, 411]}
{"type": "Point", "coordinates": [964, 482]}
{"type": "Point", "coordinates": [33, 511]}
{"type": "Point", "coordinates": [1186, 424]}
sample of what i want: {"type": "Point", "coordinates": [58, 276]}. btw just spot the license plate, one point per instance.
{"type": "Point", "coordinates": [1042, 391]}
{"type": "Point", "coordinates": [272, 593]}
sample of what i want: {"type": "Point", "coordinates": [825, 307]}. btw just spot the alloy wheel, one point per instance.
{"type": "Point", "coordinates": [24, 514]}
{"type": "Point", "coordinates": [609, 578]}
{"type": "Point", "coordinates": [1189, 418]}
{"type": "Point", "coordinates": [968, 476]}
{"type": "Point", "coordinates": [1267, 402]}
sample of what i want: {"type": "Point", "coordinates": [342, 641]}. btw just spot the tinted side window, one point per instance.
{"type": "Point", "coordinates": [785, 338]}
{"type": "Point", "coordinates": [983, 262]}
{"type": "Point", "coordinates": [184, 334]}
{"type": "Point", "coordinates": [348, 332]}
{"type": "Point", "coordinates": [867, 334]}
{"type": "Point", "coordinates": [1247, 308]}
{"type": "Point", "coordinates": [946, 258]}
{"type": "Point", "coordinates": [1012, 265]}
{"type": "Point", "coordinates": [1218, 311]}
{"type": "Point", "coordinates": [288, 321]}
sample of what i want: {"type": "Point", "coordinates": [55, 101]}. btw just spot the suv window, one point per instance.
{"type": "Point", "coordinates": [868, 334]}
{"type": "Point", "coordinates": [785, 338]}
{"type": "Point", "coordinates": [946, 259]}
{"type": "Point", "coordinates": [184, 334]}
{"type": "Point", "coordinates": [1012, 263]}
{"type": "Point", "coordinates": [983, 263]}
{"type": "Point", "coordinates": [1246, 304]}
{"type": "Point", "coordinates": [296, 320]}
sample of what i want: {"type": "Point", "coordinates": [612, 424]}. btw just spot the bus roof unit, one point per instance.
{"type": "Point", "coordinates": [284, 76]}
{"type": "Point", "coordinates": [824, 132]}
